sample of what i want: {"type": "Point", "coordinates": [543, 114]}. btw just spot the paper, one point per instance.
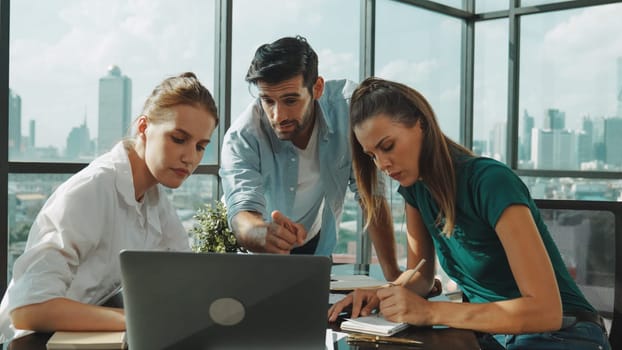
{"type": "Point", "coordinates": [373, 324]}
{"type": "Point", "coordinates": [87, 340]}
{"type": "Point", "coordinates": [330, 343]}
{"type": "Point", "coordinates": [351, 282]}
{"type": "Point", "coordinates": [334, 298]}
{"type": "Point", "coordinates": [332, 337]}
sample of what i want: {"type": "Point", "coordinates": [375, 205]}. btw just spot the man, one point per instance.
{"type": "Point", "coordinates": [286, 161]}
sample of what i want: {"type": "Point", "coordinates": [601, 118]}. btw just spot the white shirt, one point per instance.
{"type": "Point", "coordinates": [74, 243]}
{"type": "Point", "coordinates": [309, 199]}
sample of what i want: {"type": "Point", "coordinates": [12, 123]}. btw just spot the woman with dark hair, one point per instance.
{"type": "Point", "coordinates": [478, 217]}
{"type": "Point", "coordinates": [71, 263]}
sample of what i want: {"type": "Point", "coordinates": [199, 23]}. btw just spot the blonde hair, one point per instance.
{"type": "Point", "coordinates": [184, 89]}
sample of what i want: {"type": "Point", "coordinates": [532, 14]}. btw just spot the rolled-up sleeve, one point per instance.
{"type": "Point", "coordinates": [241, 176]}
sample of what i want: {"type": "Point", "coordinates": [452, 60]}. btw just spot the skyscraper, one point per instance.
{"type": "Point", "coordinates": [31, 134]}
{"type": "Point", "coordinates": [554, 149]}
{"type": "Point", "coordinates": [15, 124]}
{"type": "Point", "coordinates": [613, 142]}
{"type": "Point", "coordinates": [498, 137]}
{"type": "Point", "coordinates": [554, 119]}
{"type": "Point", "coordinates": [524, 151]}
{"type": "Point", "coordinates": [115, 108]}
{"type": "Point", "coordinates": [619, 87]}
{"type": "Point", "coordinates": [585, 141]}
{"type": "Point", "coordinates": [79, 143]}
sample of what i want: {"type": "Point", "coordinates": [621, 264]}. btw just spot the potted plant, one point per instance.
{"type": "Point", "coordinates": [211, 231]}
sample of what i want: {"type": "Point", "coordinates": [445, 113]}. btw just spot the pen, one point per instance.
{"type": "Point", "coordinates": [356, 337]}
{"type": "Point", "coordinates": [412, 273]}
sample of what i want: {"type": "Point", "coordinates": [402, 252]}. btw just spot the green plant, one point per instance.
{"type": "Point", "coordinates": [211, 231]}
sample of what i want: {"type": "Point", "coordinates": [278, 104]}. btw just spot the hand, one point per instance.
{"type": "Point", "coordinates": [363, 301]}
{"type": "Point", "coordinates": [398, 304]}
{"type": "Point", "coordinates": [283, 234]}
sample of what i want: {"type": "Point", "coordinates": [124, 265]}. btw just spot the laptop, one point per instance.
{"type": "Point", "coordinates": [184, 300]}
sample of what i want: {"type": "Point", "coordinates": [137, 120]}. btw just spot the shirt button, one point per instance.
{"type": "Point", "coordinates": [293, 159]}
{"type": "Point", "coordinates": [291, 189]}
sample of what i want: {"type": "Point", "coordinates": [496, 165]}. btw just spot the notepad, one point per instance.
{"type": "Point", "coordinates": [87, 340]}
{"type": "Point", "coordinates": [373, 324]}
{"type": "Point", "coordinates": [351, 282]}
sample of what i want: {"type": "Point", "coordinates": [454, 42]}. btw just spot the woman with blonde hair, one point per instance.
{"type": "Point", "coordinates": [71, 264]}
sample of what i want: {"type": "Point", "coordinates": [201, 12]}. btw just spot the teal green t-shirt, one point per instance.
{"type": "Point", "coordinates": [473, 255]}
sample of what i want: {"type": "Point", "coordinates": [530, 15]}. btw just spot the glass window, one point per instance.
{"type": "Point", "coordinates": [539, 2]}
{"type": "Point", "coordinates": [331, 28]}
{"type": "Point", "coordinates": [79, 74]}
{"type": "Point", "coordinates": [584, 239]}
{"type": "Point", "coordinates": [459, 4]}
{"type": "Point", "coordinates": [81, 70]}
{"type": "Point", "coordinates": [28, 192]}
{"type": "Point", "coordinates": [574, 188]}
{"type": "Point", "coordinates": [490, 5]}
{"type": "Point", "coordinates": [490, 89]}
{"type": "Point", "coordinates": [570, 84]}
{"type": "Point", "coordinates": [425, 56]}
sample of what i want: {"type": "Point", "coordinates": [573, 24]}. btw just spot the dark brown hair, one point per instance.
{"type": "Point", "coordinates": [284, 59]}
{"type": "Point", "coordinates": [406, 106]}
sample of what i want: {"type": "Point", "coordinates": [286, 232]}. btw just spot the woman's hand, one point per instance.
{"type": "Point", "coordinates": [363, 302]}
{"type": "Point", "coordinates": [398, 304]}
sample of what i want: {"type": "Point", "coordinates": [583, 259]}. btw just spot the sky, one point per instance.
{"type": "Point", "coordinates": [60, 48]}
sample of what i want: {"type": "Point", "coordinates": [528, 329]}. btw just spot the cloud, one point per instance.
{"type": "Point", "coordinates": [409, 72]}
{"type": "Point", "coordinates": [332, 64]}
{"type": "Point", "coordinates": [57, 75]}
{"type": "Point", "coordinates": [572, 65]}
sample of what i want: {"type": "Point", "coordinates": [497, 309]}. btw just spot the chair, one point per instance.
{"type": "Point", "coordinates": [589, 237]}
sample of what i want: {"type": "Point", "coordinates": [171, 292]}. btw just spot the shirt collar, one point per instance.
{"type": "Point", "coordinates": [125, 188]}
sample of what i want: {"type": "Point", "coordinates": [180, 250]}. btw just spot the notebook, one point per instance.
{"type": "Point", "coordinates": [176, 300]}
{"type": "Point", "coordinates": [351, 282]}
{"type": "Point", "coordinates": [87, 340]}
{"type": "Point", "coordinates": [373, 324]}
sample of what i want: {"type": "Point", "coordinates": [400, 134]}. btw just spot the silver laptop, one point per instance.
{"type": "Point", "coordinates": [177, 300]}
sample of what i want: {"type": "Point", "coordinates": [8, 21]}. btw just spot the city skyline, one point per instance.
{"type": "Point", "coordinates": [142, 37]}
{"type": "Point", "coordinates": [115, 92]}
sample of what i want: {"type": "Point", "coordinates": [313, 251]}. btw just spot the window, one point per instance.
{"type": "Point", "coordinates": [540, 2]}
{"type": "Point", "coordinates": [74, 63]}
{"type": "Point", "coordinates": [332, 29]}
{"type": "Point", "coordinates": [569, 85]}
{"type": "Point", "coordinates": [425, 56]}
{"type": "Point", "coordinates": [82, 75]}
{"type": "Point", "coordinates": [585, 234]}
{"type": "Point", "coordinates": [490, 5]}
{"type": "Point", "coordinates": [79, 74]}
{"type": "Point", "coordinates": [490, 89]}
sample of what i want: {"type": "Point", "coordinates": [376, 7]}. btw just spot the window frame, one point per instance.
{"type": "Point", "coordinates": [222, 92]}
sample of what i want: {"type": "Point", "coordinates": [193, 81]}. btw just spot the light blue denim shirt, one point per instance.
{"type": "Point", "coordinates": [259, 172]}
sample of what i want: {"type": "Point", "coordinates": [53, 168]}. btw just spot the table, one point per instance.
{"type": "Point", "coordinates": [433, 338]}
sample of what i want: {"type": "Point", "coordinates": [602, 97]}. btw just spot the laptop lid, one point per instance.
{"type": "Point", "coordinates": [184, 300]}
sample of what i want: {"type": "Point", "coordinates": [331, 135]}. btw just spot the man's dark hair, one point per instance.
{"type": "Point", "coordinates": [284, 59]}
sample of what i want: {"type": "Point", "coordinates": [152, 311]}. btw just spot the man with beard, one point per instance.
{"type": "Point", "coordinates": [286, 161]}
